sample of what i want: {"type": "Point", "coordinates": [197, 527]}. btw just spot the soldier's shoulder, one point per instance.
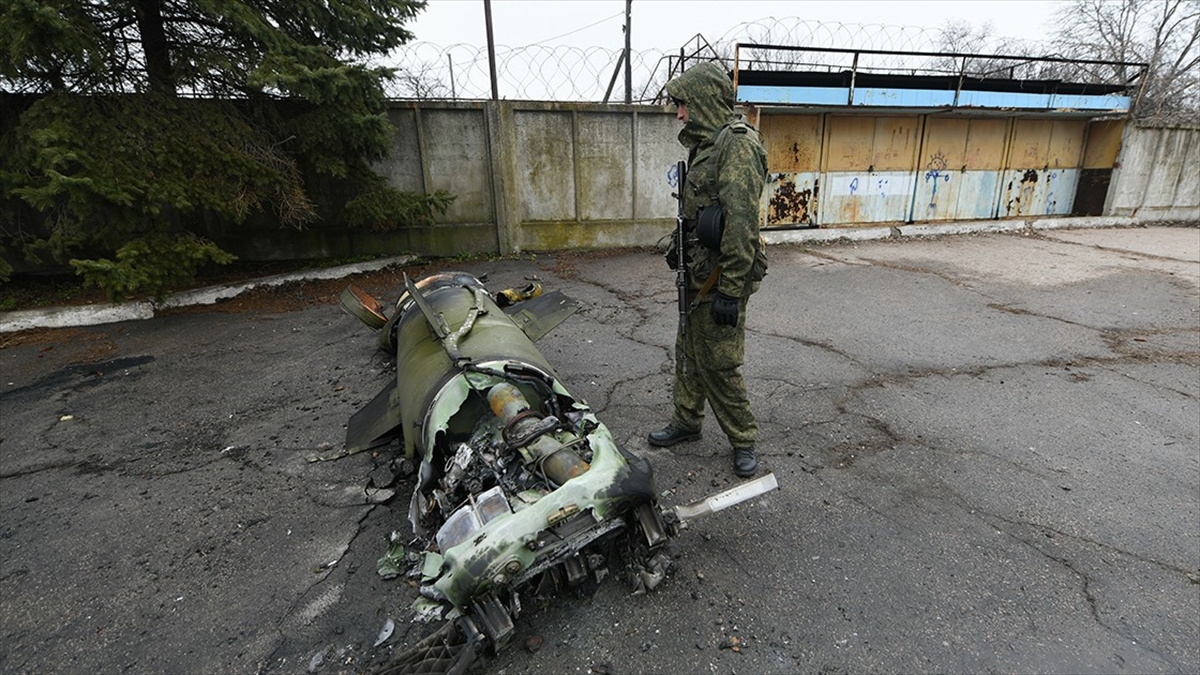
{"type": "Point", "coordinates": [739, 132]}
{"type": "Point", "coordinates": [741, 135]}
{"type": "Point", "coordinates": [741, 127]}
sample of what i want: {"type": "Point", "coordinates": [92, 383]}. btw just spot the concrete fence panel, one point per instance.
{"type": "Point", "coordinates": [402, 171]}
{"type": "Point", "coordinates": [1158, 175]}
{"type": "Point", "coordinates": [457, 148]}
{"type": "Point", "coordinates": [655, 150]}
{"type": "Point", "coordinates": [545, 150]}
{"type": "Point", "coordinates": [604, 166]}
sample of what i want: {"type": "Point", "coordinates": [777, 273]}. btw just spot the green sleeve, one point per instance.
{"type": "Point", "coordinates": [742, 174]}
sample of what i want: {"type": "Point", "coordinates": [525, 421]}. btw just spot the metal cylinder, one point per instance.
{"type": "Point", "coordinates": [559, 463]}
{"type": "Point", "coordinates": [563, 465]}
{"type": "Point", "coordinates": [507, 401]}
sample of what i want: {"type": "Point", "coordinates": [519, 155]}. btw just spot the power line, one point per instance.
{"type": "Point", "coordinates": [541, 42]}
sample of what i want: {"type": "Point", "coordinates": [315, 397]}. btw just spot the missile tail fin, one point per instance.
{"type": "Point", "coordinates": [540, 315]}
{"type": "Point", "coordinates": [377, 423]}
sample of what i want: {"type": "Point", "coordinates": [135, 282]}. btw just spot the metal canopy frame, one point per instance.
{"type": "Point", "coordinates": [936, 81]}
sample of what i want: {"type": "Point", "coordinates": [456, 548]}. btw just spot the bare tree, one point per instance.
{"type": "Point", "coordinates": [960, 37]}
{"type": "Point", "coordinates": [423, 81]}
{"type": "Point", "coordinates": [1165, 34]}
{"type": "Point", "coordinates": [961, 43]}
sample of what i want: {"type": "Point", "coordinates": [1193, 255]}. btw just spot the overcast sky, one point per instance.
{"type": "Point", "coordinates": [669, 24]}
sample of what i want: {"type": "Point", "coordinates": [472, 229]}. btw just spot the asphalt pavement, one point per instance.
{"type": "Point", "coordinates": [987, 446]}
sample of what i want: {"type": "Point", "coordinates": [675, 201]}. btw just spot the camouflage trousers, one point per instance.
{"type": "Point", "coordinates": [708, 362]}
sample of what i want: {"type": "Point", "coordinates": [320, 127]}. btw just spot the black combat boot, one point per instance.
{"type": "Point", "coordinates": [745, 462]}
{"type": "Point", "coordinates": [670, 435]}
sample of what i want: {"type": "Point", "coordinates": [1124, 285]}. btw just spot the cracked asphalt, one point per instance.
{"type": "Point", "coordinates": [988, 451]}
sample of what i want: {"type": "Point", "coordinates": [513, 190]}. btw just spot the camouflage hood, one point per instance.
{"type": "Point", "coordinates": [707, 92]}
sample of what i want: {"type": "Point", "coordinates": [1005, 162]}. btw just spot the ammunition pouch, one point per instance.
{"type": "Point", "coordinates": [710, 226]}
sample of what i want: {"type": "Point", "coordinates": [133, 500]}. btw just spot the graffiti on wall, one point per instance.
{"type": "Point", "coordinates": [935, 171]}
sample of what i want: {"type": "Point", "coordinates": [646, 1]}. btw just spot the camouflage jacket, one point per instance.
{"type": "Point", "coordinates": [727, 165]}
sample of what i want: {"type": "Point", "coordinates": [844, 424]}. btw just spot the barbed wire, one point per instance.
{"type": "Point", "coordinates": [832, 35]}
{"type": "Point", "coordinates": [542, 72]}
{"type": "Point", "coordinates": [592, 74]}
{"type": "Point", "coordinates": [539, 72]}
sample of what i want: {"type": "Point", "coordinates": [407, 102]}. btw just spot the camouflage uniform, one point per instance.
{"type": "Point", "coordinates": [727, 165]}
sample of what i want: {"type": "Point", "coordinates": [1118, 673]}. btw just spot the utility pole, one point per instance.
{"type": "Point", "coordinates": [628, 42]}
{"type": "Point", "coordinates": [487, 15]}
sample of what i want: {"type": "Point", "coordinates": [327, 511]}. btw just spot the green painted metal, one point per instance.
{"type": "Point", "coordinates": [425, 370]}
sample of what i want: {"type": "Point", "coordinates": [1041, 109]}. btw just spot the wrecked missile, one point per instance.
{"type": "Point", "coordinates": [520, 490]}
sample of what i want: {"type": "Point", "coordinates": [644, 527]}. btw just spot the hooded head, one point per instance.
{"type": "Point", "coordinates": [707, 92]}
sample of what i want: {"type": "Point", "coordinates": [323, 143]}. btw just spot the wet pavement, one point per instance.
{"type": "Point", "coordinates": [988, 451]}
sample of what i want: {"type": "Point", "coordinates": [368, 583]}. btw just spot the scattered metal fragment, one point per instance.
{"type": "Point", "coordinates": [319, 658]}
{"type": "Point", "coordinates": [391, 564]}
{"type": "Point", "coordinates": [389, 627]}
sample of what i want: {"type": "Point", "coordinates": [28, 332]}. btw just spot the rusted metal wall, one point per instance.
{"type": "Point", "coordinates": [869, 168]}
{"type": "Point", "coordinates": [837, 169]}
{"type": "Point", "coordinates": [1043, 165]}
{"type": "Point", "coordinates": [1099, 158]}
{"type": "Point", "coordinates": [548, 176]}
{"type": "Point", "coordinates": [961, 170]}
{"type": "Point", "coordinates": [793, 192]}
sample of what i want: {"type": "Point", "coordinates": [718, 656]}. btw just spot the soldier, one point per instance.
{"type": "Point", "coordinates": [727, 168]}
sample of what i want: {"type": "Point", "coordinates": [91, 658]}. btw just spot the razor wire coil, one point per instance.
{"type": "Point", "coordinates": [590, 74]}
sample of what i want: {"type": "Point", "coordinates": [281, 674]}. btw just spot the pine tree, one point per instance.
{"type": "Point", "coordinates": [128, 122]}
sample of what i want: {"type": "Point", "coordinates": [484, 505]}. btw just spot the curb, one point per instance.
{"type": "Point", "coordinates": [63, 317]}
{"type": "Point", "coordinates": [92, 315]}
{"type": "Point", "coordinates": [932, 230]}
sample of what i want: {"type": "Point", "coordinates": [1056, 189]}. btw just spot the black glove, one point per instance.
{"type": "Point", "coordinates": [724, 310]}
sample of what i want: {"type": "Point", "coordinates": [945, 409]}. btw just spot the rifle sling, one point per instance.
{"type": "Point", "coordinates": [708, 284]}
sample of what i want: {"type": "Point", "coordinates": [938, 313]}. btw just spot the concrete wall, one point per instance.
{"type": "Point", "coordinates": [536, 176]}
{"type": "Point", "coordinates": [1157, 175]}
